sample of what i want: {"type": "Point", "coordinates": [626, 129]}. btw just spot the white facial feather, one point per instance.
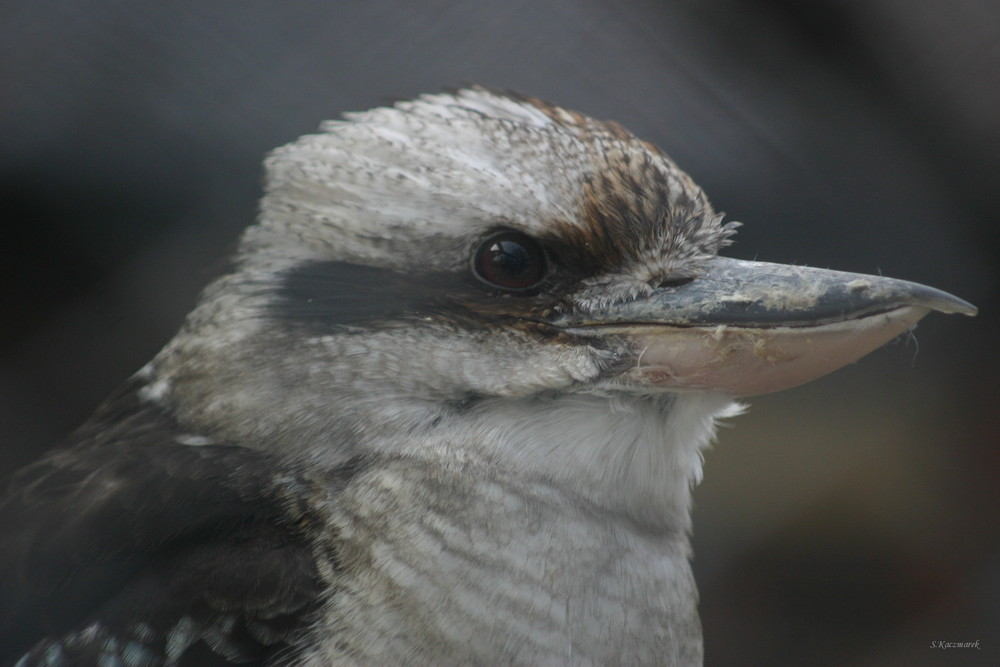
{"type": "Point", "coordinates": [373, 187]}
{"type": "Point", "coordinates": [414, 188]}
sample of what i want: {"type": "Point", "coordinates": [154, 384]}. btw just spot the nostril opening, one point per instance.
{"type": "Point", "coordinates": [672, 282]}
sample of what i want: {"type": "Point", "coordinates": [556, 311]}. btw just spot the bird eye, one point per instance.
{"type": "Point", "coordinates": [511, 260]}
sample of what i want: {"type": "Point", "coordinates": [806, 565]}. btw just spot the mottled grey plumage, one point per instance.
{"type": "Point", "coordinates": [446, 408]}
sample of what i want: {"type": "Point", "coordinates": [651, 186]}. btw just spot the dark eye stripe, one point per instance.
{"type": "Point", "coordinates": [326, 296]}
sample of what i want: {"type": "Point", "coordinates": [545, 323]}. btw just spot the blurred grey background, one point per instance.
{"type": "Point", "coordinates": [853, 521]}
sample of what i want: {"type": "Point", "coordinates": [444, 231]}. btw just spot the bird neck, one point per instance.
{"type": "Point", "coordinates": [634, 455]}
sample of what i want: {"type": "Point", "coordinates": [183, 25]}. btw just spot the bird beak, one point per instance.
{"type": "Point", "coordinates": [747, 328]}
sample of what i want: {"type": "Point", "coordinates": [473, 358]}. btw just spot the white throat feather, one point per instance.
{"type": "Point", "coordinates": [628, 454]}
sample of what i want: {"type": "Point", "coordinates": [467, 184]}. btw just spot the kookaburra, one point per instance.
{"type": "Point", "coordinates": [446, 407]}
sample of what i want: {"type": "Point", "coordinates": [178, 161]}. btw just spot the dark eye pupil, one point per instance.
{"type": "Point", "coordinates": [510, 260]}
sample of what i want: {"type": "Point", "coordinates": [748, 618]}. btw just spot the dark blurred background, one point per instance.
{"type": "Point", "coordinates": [853, 521]}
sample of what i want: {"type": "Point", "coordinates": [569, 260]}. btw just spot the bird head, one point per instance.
{"type": "Point", "coordinates": [410, 261]}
